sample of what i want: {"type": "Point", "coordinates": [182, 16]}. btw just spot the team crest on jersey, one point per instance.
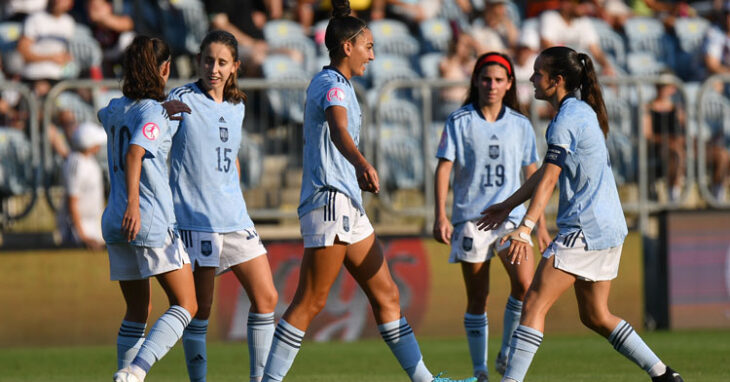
{"type": "Point", "coordinates": [150, 131]}
{"type": "Point", "coordinates": [494, 151]}
{"type": "Point", "coordinates": [467, 243]}
{"type": "Point", "coordinates": [224, 134]}
{"type": "Point", "coordinates": [335, 94]}
{"type": "Point", "coordinates": [206, 247]}
{"type": "Point", "coordinates": [346, 223]}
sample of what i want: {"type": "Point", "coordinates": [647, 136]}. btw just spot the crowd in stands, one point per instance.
{"type": "Point", "coordinates": [46, 41]}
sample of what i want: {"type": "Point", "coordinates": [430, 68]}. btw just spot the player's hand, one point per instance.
{"type": "Point", "coordinates": [493, 216]}
{"type": "Point", "coordinates": [543, 238]}
{"type": "Point", "coordinates": [367, 178]}
{"type": "Point", "coordinates": [131, 223]}
{"type": "Point", "coordinates": [520, 245]}
{"type": "Point", "coordinates": [175, 107]}
{"type": "Point", "coordinates": [442, 230]}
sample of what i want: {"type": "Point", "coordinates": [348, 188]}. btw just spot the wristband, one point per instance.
{"type": "Point", "coordinates": [525, 236]}
{"type": "Point", "coordinates": [528, 223]}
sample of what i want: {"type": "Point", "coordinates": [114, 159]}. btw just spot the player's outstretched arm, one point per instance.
{"type": "Point", "coordinates": [493, 216]}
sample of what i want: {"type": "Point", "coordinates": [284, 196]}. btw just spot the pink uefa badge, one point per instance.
{"type": "Point", "coordinates": [150, 131]}
{"type": "Point", "coordinates": [335, 94]}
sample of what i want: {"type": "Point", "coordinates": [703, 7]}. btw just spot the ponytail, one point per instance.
{"type": "Point", "coordinates": [579, 73]}
{"type": "Point", "coordinates": [141, 68]}
{"type": "Point", "coordinates": [341, 28]}
{"type": "Point", "coordinates": [590, 91]}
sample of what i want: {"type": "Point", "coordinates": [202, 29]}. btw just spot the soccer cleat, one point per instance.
{"type": "Point", "coordinates": [126, 375]}
{"type": "Point", "coordinates": [439, 378]}
{"type": "Point", "coordinates": [482, 376]}
{"type": "Point", "coordinates": [668, 376]}
{"type": "Point", "coordinates": [500, 364]}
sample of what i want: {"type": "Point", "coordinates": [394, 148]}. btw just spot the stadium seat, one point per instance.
{"type": "Point", "coordinates": [196, 22]}
{"type": "Point", "coordinates": [611, 42]}
{"type": "Point", "coordinates": [436, 34]}
{"type": "Point", "coordinates": [646, 34]}
{"type": "Point", "coordinates": [690, 32]}
{"type": "Point", "coordinates": [715, 121]}
{"type": "Point", "coordinates": [289, 35]}
{"type": "Point", "coordinates": [250, 156]}
{"type": "Point", "coordinates": [286, 103]}
{"type": "Point", "coordinates": [390, 67]}
{"type": "Point", "coordinates": [644, 63]}
{"type": "Point", "coordinates": [399, 169]}
{"type": "Point", "coordinates": [10, 33]}
{"type": "Point", "coordinates": [82, 111]}
{"type": "Point", "coordinates": [393, 37]}
{"type": "Point", "coordinates": [86, 52]}
{"type": "Point", "coordinates": [16, 174]}
{"type": "Point", "coordinates": [401, 113]}
{"type": "Point", "coordinates": [621, 139]}
{"type": "Point", "coordinates": [429, 65]}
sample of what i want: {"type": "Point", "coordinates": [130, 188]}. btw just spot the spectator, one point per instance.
{"type": "Point", "coordinates": [113, 31]}
{"type": "Point", "coordinates": [664, 125]}
{"type": "Point", "coordinates": [457, 65]}
{"type": "Point", "coordinates": [19, 10]}
{"type": "Point", "coordinates": [413, 12]}
{"type": "Point", "coordinates": [311, 11]}
{"type": "Point", "coordinates": [717, 44]}
{"type": "Point", "coordinates": [568, 27]}
{"type": "Point", "coordinates": [526, 51]}
{"type": "Point", "coordinates": [245, 20]}
{"type": "Point", "coordinates": [80, 219]}
{"type": "Point", "coordinates": [44, 45]}
{"type": "Point", "coordinates": [60, 133]}
{"type": "Point", "coordinates": [496, 18]}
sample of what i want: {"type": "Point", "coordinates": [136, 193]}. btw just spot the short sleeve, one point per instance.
{"type": "Point", "coordinates": [447, 144]}
{"type": "Point", "coordinates": [560, 134]}
{"type": "Point", "coordinates": [713, 44]}
{"type": "Point", "coordinates": [530, 149]}
{"type": "Point", "coordinates": [71, 172]}
{"type": "Point", "coordinates": [30, 27]}
{"type": "Point", "coordinates": [333, 94]}
{"type": "Point", "coordinates": [148, 128]}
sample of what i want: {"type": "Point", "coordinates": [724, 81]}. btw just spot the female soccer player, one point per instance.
{"type": "Point", "coordinates": [487, 141]}
{"type": "Point", "coordinates": [334, 226]}
{"type": "Point", "coordinates": [209, 206]}
{"type": "Point", "coordinates": [591, 224]}
{"type": "Point", "coordinates": [138, 223]}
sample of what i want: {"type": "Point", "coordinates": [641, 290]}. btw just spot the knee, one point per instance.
{"type": "Point", "coordinates": [519, 290]}
{"type": "Point", "coordinates": [138, 312]}
{"type": "Point", "coordinates": [203, 310]}
{"type": "Point", "coordinates": [191, 306]}
{"type": "Point", "coordinates": [595, 321]}
{"type": "Point", "coordinates": [265, 302]}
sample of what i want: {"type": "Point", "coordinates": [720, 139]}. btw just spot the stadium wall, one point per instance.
{"type": "Point", "coordinates": [64, 297]}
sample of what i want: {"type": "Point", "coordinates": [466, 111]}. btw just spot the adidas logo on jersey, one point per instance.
{"type": "Point", "coordinates": [221, 120]}
{"type": "Point", "coordinates": [494, 138]}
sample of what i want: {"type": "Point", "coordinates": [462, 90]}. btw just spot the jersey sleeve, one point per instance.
{"type": "Point", "coordinates": [447, 144]}
{"type": "Point", "coordinates": [529, 151]}
{"type": "Point", "coordinates": [333, 93]}
{"type": "Point", "coordinates": [148, 128]}
{"type": "Point", "coordinates": [71, 175]}
{"type": "Point", "coordinates": [561, 141]}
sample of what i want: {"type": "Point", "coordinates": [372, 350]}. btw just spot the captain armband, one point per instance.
{"type": "Point", "coordinates": [556, 155]}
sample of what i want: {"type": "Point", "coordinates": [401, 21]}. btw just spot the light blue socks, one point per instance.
{"type": "Point", "coordinates": [284, 348]}
{"type": "Point", "coordinates": [512, 314]}
{"type": "Point", "coordinates": [193, 340]}
{"type": "Point", "coordinates": [129, 340]}
{"type": "Point", "coordinates": [627, 342]}
{"type": "Point", "coordinates": [260, 331]}
{"type": "Point", "coordinates": [163, 336]}
{"type": "Point", "coordinates": [402, 342]}
{"type": "Point", "coordinates": [477, 333]}
{"type": "Point", "coordinates": [524, 345]}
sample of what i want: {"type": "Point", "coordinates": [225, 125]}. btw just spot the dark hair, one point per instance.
{"type": "Point", "coordinates": [502, 60]}
{"type": "Point", "coordinates": [579, 74]}
{"type": "Point", "coordinates": [231, 92]}
{"type": "Point", "coordinates": [141, 68]}
{"type": "Point", "coordinates": [341, 28]}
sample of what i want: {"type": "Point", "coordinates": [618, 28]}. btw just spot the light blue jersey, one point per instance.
{"type": "Point", "coordinates": [143, 123]}
{"type": "Point", "coordinates": [203, 174]}
{"type": "Point", "coordinates": [324, 166]}
{"type": "Point", "coordinates": [588, 196]}
{"type": "Point", "coordinates": [488, 157]}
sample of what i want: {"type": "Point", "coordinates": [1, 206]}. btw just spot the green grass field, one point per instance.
{"type": "Point", "coordinates": [698, 355]}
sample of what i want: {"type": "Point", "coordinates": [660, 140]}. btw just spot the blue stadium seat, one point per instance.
{"type": "Point", "coordinates": [196, 22]}
{"type": "Point", "coordinates": [646, 34]}
{"type": "Point", "coordinates": [85, 50]}
{"type": "Point", "coordinates": [82, 111]}
{"type": "Point", "coordinates": [250, 156]}
{"type": "Point", "coordinates": [286, 103]}
{"type": "Point", "coordinates": [401, 113]}
{"type": "Point", "coordinates": [621, 138]}
{"type": "Point", "coordinates": [716, 119]}
{"type": "Point", "coordinates": [429, 64]}
{"type": "Point", "coordinates": [390, 67]}
{"type": "Point", "coordinates": [286, 34]}
{"type": "Point", "coordinates": [400, 168]}
{"type": "Point", "coordinates": [16, 174]}
{"type": "Point", "coordinates": [644, 63]}
{"type": "Point", "coordinates": [690, 32]}
{"type": "Point", "coordinates": [436, 34]}
{"type": "Point", "coordinates": [611, 42]}
{"type": "Point", "coordinates": [393, 37]}
{"type": "Point", "coordinates": [10, 33]}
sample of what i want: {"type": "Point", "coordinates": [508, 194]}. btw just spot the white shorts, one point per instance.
{"type": "Point", "coordinates": [469, 244]}
{"type": "Point", "coordinates": [222, 250]}
{"type": "Point", "coordinates": [131, 262]}
{"type": "Point", "coordinates": [338, 218]}
{"type": "Point", "coordinates": [572, 256]}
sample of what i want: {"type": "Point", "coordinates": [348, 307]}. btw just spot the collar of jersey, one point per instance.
{"type": "Point", "coordinates": [332, 68]}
